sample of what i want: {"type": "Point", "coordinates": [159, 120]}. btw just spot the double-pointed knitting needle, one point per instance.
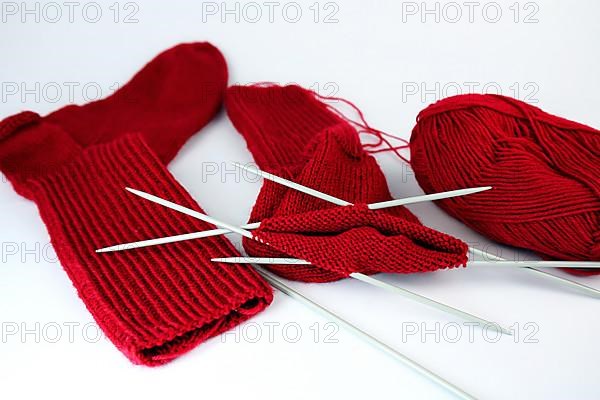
{"type": "Point", "coordinates": [287, 290]}
{"type": "Point", "coordinates": [564, 264]}
{"type": "Point", "coordinates": [335, 200]}
{"type": "Point", "coordinates": [564, 281]}
{"type": "Point", "coordinates": [500, 262]}
{"type": "Point", "coordinates": [281, 286]}
{"type": "Point", "coordinates": [373, 206]}
{"type": "Point", "coordinates": [497, 262]}
{"type": "Point", "coordinates": [356, 275]}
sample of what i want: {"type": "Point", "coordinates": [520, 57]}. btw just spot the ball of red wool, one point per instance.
{"type": "Point", "coordinates": [545, 171]}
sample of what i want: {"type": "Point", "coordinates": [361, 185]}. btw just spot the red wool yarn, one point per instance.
{"type": "Point", "coordinates": [153, 303]}
{"type": "Point", "coordinates": [545, 171]}
{"type": "Point", "coordinates": [294, 135]}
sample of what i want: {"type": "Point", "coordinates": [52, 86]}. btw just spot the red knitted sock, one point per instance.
{"type": "Point", "coordinates": [294, 135]}
{"type": "Point", "coordinates": [167, 101]}
{"type": "Point", "coordinates": [154, 303]}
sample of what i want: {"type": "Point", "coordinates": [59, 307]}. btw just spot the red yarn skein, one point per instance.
{"type": "Point", "coordinates": [545, 171]}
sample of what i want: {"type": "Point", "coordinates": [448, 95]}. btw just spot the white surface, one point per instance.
{"type": "Point", "coordinates": [368, 56]}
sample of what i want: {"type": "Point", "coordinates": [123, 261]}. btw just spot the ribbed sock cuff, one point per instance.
{"type": "Point", "coordinates": [154, 303]}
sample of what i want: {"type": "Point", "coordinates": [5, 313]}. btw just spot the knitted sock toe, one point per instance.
{"type": "Point", "coordinates": [168, 100]}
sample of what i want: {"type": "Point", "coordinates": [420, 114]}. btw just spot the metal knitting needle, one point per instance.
{"type": "Point", "coordinates": [172, 239]}
{"type": "Point", "coordinates": [354, 275]}
{"type": "Point", "coordinates": [564, 281]}
{"type": "Point", "coordinates": [335, 200]}
{"type": "Point", "coordinates": [376, 206]}
{"type": "Point", "coordinates": [278, 284]}
{"type": "Point", "coordinates": [373, 206]}
{"type": "Point", "coordinates": [287, 290]}
{"type": "Point", "coordinates": [538, 264]}
{"type": "Point", "coordinates": [261, 260]}
{"type": "Point", "coordinates": [507, 263]}
{"type": "Point", "coordinates": [497, 262]}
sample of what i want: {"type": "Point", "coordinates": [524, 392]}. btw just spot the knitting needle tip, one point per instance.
{"type": "Point", "coordinates": [374, 206]}
{"type": "Point", "coordinates": [472, 190]}
{"type": "Point", "coordinates": [258, 260]}
{"type": "Point", "coordinates": [134, 191]}
{"type": "Point", "coordinates": [215, 232]}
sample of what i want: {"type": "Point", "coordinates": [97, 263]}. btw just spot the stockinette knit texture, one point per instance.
{"type": "Point", "coordinates": [153, 303]}
{"type": "Point", "coordinates": [294, 135]}
{"type": "Point", "coordinates": [545, 171]}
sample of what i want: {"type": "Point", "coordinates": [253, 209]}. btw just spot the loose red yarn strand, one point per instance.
{"type": "Point", "coordinates": [368, 129]}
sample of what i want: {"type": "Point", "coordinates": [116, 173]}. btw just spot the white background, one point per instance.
{"type": "Point", "coordinates": [378, 57]}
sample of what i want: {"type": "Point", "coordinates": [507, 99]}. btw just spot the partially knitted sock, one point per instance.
{"type": "Point", "coordinates": [294, 135]}
{"type": "Point", "coordinates": [153, 303]}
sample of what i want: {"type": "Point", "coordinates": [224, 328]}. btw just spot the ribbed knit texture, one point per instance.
{"type": "Point", "coordinates": [545, 171]}
{"type": "Point", "coordinates": [293, 135]}
{"type": "Point", "coordinates": [154, 303]}
{"type": "Point", "coordinates": [277, 122]}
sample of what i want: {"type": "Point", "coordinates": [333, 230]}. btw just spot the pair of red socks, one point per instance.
{"type": "Point", "coordinates": [158, 302]}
